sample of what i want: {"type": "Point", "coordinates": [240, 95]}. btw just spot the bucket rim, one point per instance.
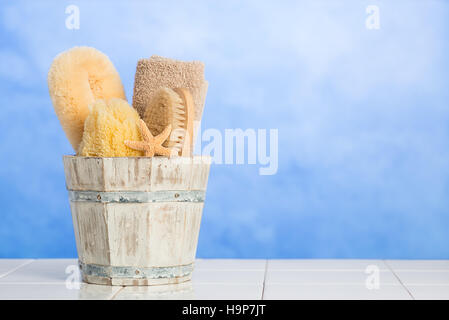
{"type": "Point", "coordinates": [206, 158]}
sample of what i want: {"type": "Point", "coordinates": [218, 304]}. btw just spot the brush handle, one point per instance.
{"type": "Point", "coordinates": [186, 96]}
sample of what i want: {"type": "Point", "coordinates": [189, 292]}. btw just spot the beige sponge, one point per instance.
{"type": "Point", "coordinates": [106, 128]}
{"type": "Point", "coordinates": [76, 79]}
{"type": "Point", "coordinates": [157, 72]}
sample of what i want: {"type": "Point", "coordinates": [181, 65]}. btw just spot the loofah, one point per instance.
{"type": "Point", "coordinates": [76, 79]}
{"type": "Point", "coordinates": [174, 108]}
{"type": "Point", "coordinates": [157, 72]}
{"type": "Point", "coordinates": [106, 128]}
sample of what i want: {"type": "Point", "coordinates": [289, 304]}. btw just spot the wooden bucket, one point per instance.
{"type": "Point", "coordinates": [136, 220]}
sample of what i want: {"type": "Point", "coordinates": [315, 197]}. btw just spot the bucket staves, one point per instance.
{"type": "Point", "coordinates": [136, 220]}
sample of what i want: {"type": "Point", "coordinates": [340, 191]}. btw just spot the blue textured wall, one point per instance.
{"type": "Point", "coordinates": [362, 118]}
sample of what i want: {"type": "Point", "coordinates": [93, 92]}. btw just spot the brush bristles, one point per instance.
{"type": "Point", "coordinates": [167, 108]}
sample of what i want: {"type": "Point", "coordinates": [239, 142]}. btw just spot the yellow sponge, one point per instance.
{"type": "Point", "coordinates": [108, 125]}
{"type": "Point", "coordinates": [76, 79]}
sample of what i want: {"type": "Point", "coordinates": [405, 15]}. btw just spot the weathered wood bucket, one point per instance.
{"type": "Point", "coordinates": [136, 220]}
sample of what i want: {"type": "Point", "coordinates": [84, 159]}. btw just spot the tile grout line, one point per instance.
{"type": "Point", "coordinates": [313, 270]}
{"type": "Point", "coordinates": [115, 294]}
{"type": "Point", "coordinates": [424, 270]}
{"type": "Point", "coordinates": [226, 269]}
{"type": "Point", "coordinates": [324, 284]}
{"type": "Point", "coordinates": [400, 281]}
{"type": "Point", "coordinates": [264, 278]}
{"type": "Point", "coordinates": [16, 268]}
{"type": "Point", "coordinates": [18, 283]}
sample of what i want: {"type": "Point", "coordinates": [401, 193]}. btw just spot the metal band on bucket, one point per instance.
{"type": "Point", "coordinates": [135, 272]}
{"type": "Point", "coordinates": [138, 196]}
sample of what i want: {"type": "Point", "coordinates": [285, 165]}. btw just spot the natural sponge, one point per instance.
{"type": "Point", "coordinates": [107, 126]}
{"type": "Point", "coordinates": [76, 79]}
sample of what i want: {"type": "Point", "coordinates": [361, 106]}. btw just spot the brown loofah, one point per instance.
{"type": "Point", "coordinates": [158, 72]}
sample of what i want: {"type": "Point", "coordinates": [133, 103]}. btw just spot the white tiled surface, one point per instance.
{"type": "Point", "coordinates": [340, 277]}
{"type": "Point", "coordinates": [41, 271]}
{"type": "Point", "coordinates": [192, 290]}
{"type": "Point", "coordinates": [429, 292]}
{"type": "Point", "coordinates": [10, 265]}
{"type": "Point", "coordinates": [52, 291]}
{"type": "Point", "coordinates": [334, 292]}
{"type": "Point", "coordinates": [230, 264]}
{"type": "Point", "coordinates": [442, 265]}
{"type": "Point", "coordinates": [423, 277]}
{"type": "Point", "coordinates": [325, 264]}
{"type": "Point", "coordinates": [241, 279]}
{"type": "Point", "coordinates": [228, 276]}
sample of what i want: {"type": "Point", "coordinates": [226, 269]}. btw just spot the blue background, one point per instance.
{"type": "Point", "coordinates": [362, 118]}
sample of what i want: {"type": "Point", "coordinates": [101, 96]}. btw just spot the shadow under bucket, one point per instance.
{"type": "Point", "coordinates": [136, 220]}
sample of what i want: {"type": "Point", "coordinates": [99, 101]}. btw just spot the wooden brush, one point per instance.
{"type": "Point", "coordinates": [173, 107]}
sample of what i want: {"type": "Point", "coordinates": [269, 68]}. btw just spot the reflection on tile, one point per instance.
{"type": "Point", "coordinates": [230, 264]}
{"type": "Point", "coordinates": [191, 291]}
{"type": "Point", "coordinates": [228, 291]}
{"type": "Point", "coordinates": [96, 292]}
{"type": "Point", "coordinates": [324, 264]}
{"type": "Point", "coordinates": [180, 291]}
{"type": "Point", "coordinates": [419, 264]}
{"type": "Point", "coordinates": [8, 265]}
{"type": "Point", "coordinates": [225, 276]}
{"type": "Point", "coordinates": [429, 292]}
{"type": "Point", "coordinates": [329, 277]}
{"type": "Point", "coordinates": [32, 291]}
{"type": "Point", "coordinates": [423, 277]}
{"type": "Point", "coordinates": [333, 292]}
{"type": "Point", "coordinates": [45, 271]}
